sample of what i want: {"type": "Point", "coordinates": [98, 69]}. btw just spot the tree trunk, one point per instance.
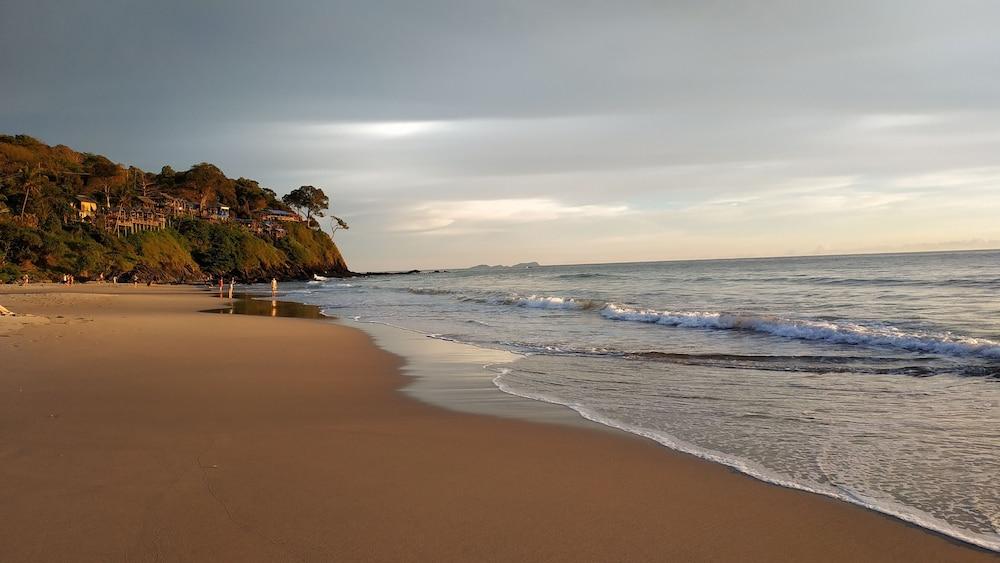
{"type": "Point", "coordinates": [24, 204]}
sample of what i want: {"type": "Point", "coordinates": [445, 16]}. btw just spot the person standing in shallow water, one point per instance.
{"type": "Point", "coordinates": [274, 286]}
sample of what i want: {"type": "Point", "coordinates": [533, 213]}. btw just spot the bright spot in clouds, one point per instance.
{"type": "Point", "coordinates": [440, 216]}
{"type": "Point", "coordinates": [375, 129]}
{"type": "Point", "coordinates": [396, 128]}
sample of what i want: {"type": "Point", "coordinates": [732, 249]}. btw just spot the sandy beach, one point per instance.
{"type": "Point", "coordinates": [135, 428]}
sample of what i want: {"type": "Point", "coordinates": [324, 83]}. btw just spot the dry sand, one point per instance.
{"type": "Point", "coordinates": [133, 428]}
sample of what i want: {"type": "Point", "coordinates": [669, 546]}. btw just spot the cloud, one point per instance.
{"type": "Point", "coordinates": [371, 129]}
{"type": "Point", "coordinates": [884, 121]}
{"type": "Point", "coordinates": [736, 128]}
{"type": "Point", "coordinates": [457, 217]}
{"type": "Point", "coordinates": [988, 177]}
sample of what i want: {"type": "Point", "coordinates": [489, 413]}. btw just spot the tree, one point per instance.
{"type": "Point", "coordinates": [100, 166]}
{"type": "Point", "coordinates": [103, 172]}
{"type": "Point", "coordinates": [210, 184]}
{"type": "Point", "coordinates": [338, 223]}
{"type": "Point", "coordinates": [30, 179]}
{"type": "Point", "coordinates": [310, 199]}
{"type": "Point", "coordinates": [250, 197]}
{"type": "Point", "coordinates": [167, 178]}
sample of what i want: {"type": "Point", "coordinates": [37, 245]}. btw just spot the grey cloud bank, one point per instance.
{"type": "Point", "coordinates": [550, 131]}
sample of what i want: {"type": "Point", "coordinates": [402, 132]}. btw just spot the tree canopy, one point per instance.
{"type": "Point", "coordinates": [309, 199]}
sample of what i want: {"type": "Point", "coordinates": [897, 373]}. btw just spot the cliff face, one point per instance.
{"type": "Point", "coordinates": [65, 212]}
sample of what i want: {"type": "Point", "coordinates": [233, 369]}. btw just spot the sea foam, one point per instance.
{"type": "Point", "coordinates": [842, 332]}
{"type": "Point", "coordinates": [837, 333]}
{"type": "Point", "coordinates": [757, 470]}
{"type": "Point", "coordinates": [542, 302]}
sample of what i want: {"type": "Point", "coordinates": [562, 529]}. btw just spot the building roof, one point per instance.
{"type": "Point", "coordinates": [279, 212]}
{"type": "Point", "coordinates": [86, 199]}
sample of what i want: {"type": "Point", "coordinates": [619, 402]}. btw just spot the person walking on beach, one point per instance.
{"type": "Point", "coordinates": [274, 286]}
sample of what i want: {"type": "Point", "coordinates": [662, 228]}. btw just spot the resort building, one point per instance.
{"type": "Point", "coordinates": [177, 207]}
{"type": "Point", "coordinates": [86, 207]}
{"type": "Point", "coordinates": [280, 215]}
{"type": "Point", "coordinates": [155, 211]}
{"type": "Point", "coordinates": [134, 220]}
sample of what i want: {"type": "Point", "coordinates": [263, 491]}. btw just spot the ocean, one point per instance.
{"type": "Point", "coordinates": [874, 379]}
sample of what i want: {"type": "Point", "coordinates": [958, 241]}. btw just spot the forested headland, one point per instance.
{"type": "Point", "coordinates": [67, 212]}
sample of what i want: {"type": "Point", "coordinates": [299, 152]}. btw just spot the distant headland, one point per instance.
{"type": "Point", "coordinates": [64, 212]}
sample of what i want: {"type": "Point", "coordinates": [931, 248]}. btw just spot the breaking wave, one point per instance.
{"type": "Point", "coordinates": [428, 291]}
{"type": "Point", "coordinates": [544, 302]}
{"type": "Point", "coordinates": [840, 332]}
{"type": "Point", "coordinates": [584, 276]}
{"type": "Point", "coordinates": [837, 333]}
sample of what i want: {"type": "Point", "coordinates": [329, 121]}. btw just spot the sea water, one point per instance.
{"type": "Point", "coordinates": [874, 379]}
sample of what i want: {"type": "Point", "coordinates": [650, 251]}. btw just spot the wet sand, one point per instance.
{"type": "Point", "coordinates": [135, 428]}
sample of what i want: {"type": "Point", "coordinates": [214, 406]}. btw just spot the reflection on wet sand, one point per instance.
{"type": "Point", "coordinates": [245, 304]}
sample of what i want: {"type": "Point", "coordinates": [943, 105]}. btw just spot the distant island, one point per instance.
{"type": "Point", "coordinates": [64, 212]}
{"type": "Point", "coordinates": [521, 266]}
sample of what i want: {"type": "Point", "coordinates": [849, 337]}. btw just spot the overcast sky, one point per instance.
{"type": "Point", "coordinates": [452, 133]}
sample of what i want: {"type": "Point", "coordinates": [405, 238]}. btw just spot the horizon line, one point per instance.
{"type": "Point", "coordinates": [734, 258]}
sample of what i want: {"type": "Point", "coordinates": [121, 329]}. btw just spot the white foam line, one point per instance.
{"type": "Point", "coordinates": [837, 333]}
{"type": "Point", "coordinates": [800, 329]}
{"type": "Point", "coordinates": [759, 472]}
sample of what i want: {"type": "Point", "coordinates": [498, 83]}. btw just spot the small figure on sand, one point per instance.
{"type": "Point", "coordinates": [232, 284]}
{"type": "Point", "coordinates": [25, 280]}
{"type": "Point", "coordinates": [274, 286]}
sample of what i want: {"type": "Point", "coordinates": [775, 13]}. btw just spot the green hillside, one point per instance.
{"type": "Point", "coordinates": [66, 212]}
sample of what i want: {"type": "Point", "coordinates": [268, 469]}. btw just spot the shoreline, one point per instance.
{"type": "Point", "coordinates": [312, 463]}
{"type": "Point", "coordinates": [421, 366]}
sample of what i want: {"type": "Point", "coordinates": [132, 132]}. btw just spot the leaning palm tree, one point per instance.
{"type": "Point", "coordinates": [30, 178]}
